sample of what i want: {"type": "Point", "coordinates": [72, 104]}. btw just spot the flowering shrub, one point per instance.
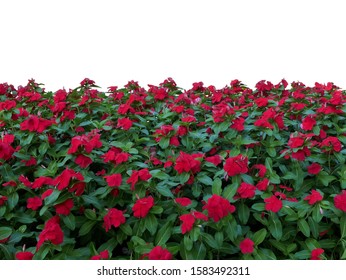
{"type": "Point", "coordinates": [167, 173]}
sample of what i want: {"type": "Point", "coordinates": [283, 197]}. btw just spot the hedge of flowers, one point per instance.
{"type": "Point", "coordinates": [168, 173]}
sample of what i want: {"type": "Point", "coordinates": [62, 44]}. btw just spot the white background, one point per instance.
{"type": "Point", "coordinates": [59, 43]}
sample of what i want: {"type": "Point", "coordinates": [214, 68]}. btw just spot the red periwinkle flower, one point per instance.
{"type": "Point", "coordinates": [246, 190]}
{"type": "Point", "coordinates": [83, 161]}
{"type": "Point", "coordinates": [159, 253]}
{"type": "Point", "coordinates": [218, 207]}
{"type": "Point", "coordinates": [246, 246]}
{"type": "Point", "coordinates": [331, 143]}
{"type": "Point", "coordinates": [24, 256]}
{"type": "Point", "coordinates": [273, 204]}
{"type": "Point", "coordinates": [314, 168]}
{"type": "Point", "coordinates": [114, 218]}
{"type": "Point", "coordinates": [263, 184]}
{"type": "Point", "coordinates": [314, 197]}
{"type": "Point", "coordinates": [2, 200]}
{"type": "Point", "coordinates": [65, 207]}
{"type": "Point", "coordinates": [216, 160]}
{"type": "Point", "coordinates": [340, 201]}
{"type": "Point", "coordinates": [114, 180]}
{"type": "Point", "coordinates": [236, 165]}
{"type": "Point", "coordinates": [124, 123]}
{"type": "Point", "coordinates": [261, 169]}
{"type": "Point", "coordinates": [142, 207]}
{"type": "Point", "coordinates": [104, 255]}
{"type": "Point", "coordinates": [188, 221]}
{"type": "Point", "coordinates": [51, 232]}
{"type": "Point", "coordinates": [183, 201]}
{"type": "Point", "coordinates": [315, 254]}
{"type": "Point", "coordinates": [308, 123]}
{"type": "Point", "coordinates": [186, 163]}
{"type": "Point", "coordinates": [34, 203]}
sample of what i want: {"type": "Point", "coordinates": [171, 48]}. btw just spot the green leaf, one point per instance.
{"type": "Point", "coordinates": [165, 191]}
{"type": "Point", "coordinates": [243, 213]}
{"type": "Point", "coordinates": [259, 236]}
{"type": "Point", "coordinates": [343, 226]}
{"type": "Point", "coordinates": [199, 251]}
{"type": "Point", "coordinates": [163, 234]}
{"type": "Point", "coordinates": [219, 239]}
{"type": "Point", "coordinates": [302, 255]}
{"type": "Point", "coordinates": [230, 191]}
{"type": "Point", "coordinates": [5, 232]}
{"type": "Point", "coordinates": [258, 207]}
{"type": "Point", "coordinates": [125, 228]}
{"type": "Point", "coordinates": [304, 227]}
{"type": "Point", "coordinates": [86, 227]}
{"type": "Point", "coordinates": [209, 239]}
{"type": "Point", "coordinates": [206, 180]}
{"type": "Point", "coordinates": [90, 214]}
{"type": "Point", "coordinates": [164, 142]}
{"type": "Point", "coordinates": [216, 186]}
{"type": "Point", "coordinates": [184, 177]}
{"type": "Point", "coordinates": [53, 197]}
{"type": "Point", "coordinates": [316, 213]}
{"type": "Point", "coordinates": [69, 221]}
{"type": "Point", "coordinates": [13, 199]}
{"type": "Point", "coordinates": [325, 178]}
{"type": "Point", "coordinates": [188, 243]}
{"type": "Point", "coordinates": [151, 223]}
{"type": "Point", "coordinates": [275, 226]}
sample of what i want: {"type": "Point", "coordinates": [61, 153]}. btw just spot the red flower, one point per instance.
{"type": "Point", "coordinates": [261, 102]}
{"type": "Point", "coordinates": [247, 246]}
{"type": "Point", "coordinates": [24, 256]}
{"type": "Point", "coordinates": [331, 143]}
{"type": "Point", "coordinates": [2, 200]}
{"type": "Point", "coordinates": [273, 204]}
{"type": "Point", "coordinates": [104, 255]}
{"type": "Point", "coordinates": [142, 207]}
{"type": "Point", "coordinates": [32, 161]}
{"type": "Point", "coordinates": [6, 150]}
{"type": "Point", "coordinates": [236, 165]}
{"type": "Point", "coordinates": [183, 201]}
{"type": "Point", "coordinates": [263, 185]}
{"type": "Point", "coordinates": [339, 201]}
{"type": "Point", "coordinates": [314, 168]}
{"type": "Point", "coordinates": [114, 218]}
{"type": "Point", "coordinates": [51, 232]}
{"type": "Point", "coordinates": [187, 163]}
{"type": "Point", "coordinates": [218, 207]}
{"type": "Point", "coordinates": [124, 123]}
{"type": "Point", "coordinates": [34, 203]}
{"type": "Point", "coordinates": [39, 182]}
{"type": "Point", "coordinates": [35, 124]}
{"type": "Point", "coordinates": [308, 123]}
{"type": "Point", "coordinates": [188, 221]}
{"type": "Point", "coordinates": [159, 253]}
{"type": "Point", "coordinates": [296, 142]}
{"type": "Point", "coordinates": [88, 142]}
{"type": "Point", "coordinates": [200, 216]}
{"type": "Point", "coordinates": [142, 174]}
{"type": "Point", "coordinates": [65, 207]}
{"type": "Point", "coordinates": [315, 253]}
{"type": "Point", "coordinates": [83, 161]}
{"type": "Point", "coordinates": [262, 169]}
{"type": "Point", "coordinates": [46, 193]}
{"type": "Point", "coordinates": [63, 180]}
{"type": "Point", "coordinates": [216, 160]}
{"type": "Point", "coordinates": [246, 190]}
{"type": "Point", "coordinates": [114, 180]}
{"type": "Point", "coordinates": [314, 197]}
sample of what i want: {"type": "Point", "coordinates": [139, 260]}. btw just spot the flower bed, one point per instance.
{"type": "Point", "coordinates": [167, 173]}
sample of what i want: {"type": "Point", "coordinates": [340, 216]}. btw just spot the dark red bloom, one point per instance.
{"type": "Point", "coordinates": [314, 168]}
{"type": "Point", "coordinates": [340, 201]}
{"type": "Point", "coordinates": [183, 201]}
{"type": "Point", "coordinates": [262, 169]}
{"type": "Point", "coordinates": [2, 200]}
{"type": "Point", "coordinates": [216, 160]}
{"type": "Point", "coordinates": [51, 232]}
{"type": "Point", "coordinates": [34, 203]}
{"type": "Point", "coordinates": [218, 207]}
{"type": "Point", "coordinates": [273, 204]}
{"type": "Point", "coordinates": [308, 123]}
{"type": "Point", "coordinates": [46, 193]}
{"type": "Point", "coordinates": [24, 256]}
{"type": "Point", "coordinates": [314, 197]}
{"type": "Point", "coordinates": [104, 255]}
{"type": "Point", "coordinates": [114, 218]}
{"type": "Point", "coordinates": [63, 180]}
{"type": "Point", "coordinates": [331, 143]}
{"type": "Point", "coordinates": [188, 222]}
{"type": "Point", "coordinates": [124, 123]}
{"type": "Point", "coordinates": [236, 165]}
{"type": "Point", "coordinates": [159, 253]}
{"type": "Point", "coordinates": [39, 182]}
{"type": "Point", "coordinates": [246, 190]}
{"type": "Point", "coordinates": [142, 207]}
{"type": "Point", "coordinates": [246, 246]}
{"type": "Point", "coordinates": [35, 124]}
{"type": "Point", "coordinates": [142, 174]}
{"type": "Point", "coordinates": [200, 216]}
{"type": "Point", "coordinates": [187, 163]}
{"type": "Point", "coordinates": [114, 180]}
{"type": "Point", "coordinates": [64, 208]}
{"type": "Point", "coordinates": [315, 253]}
{"type": "Point", "coordinates": [83, 161]}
